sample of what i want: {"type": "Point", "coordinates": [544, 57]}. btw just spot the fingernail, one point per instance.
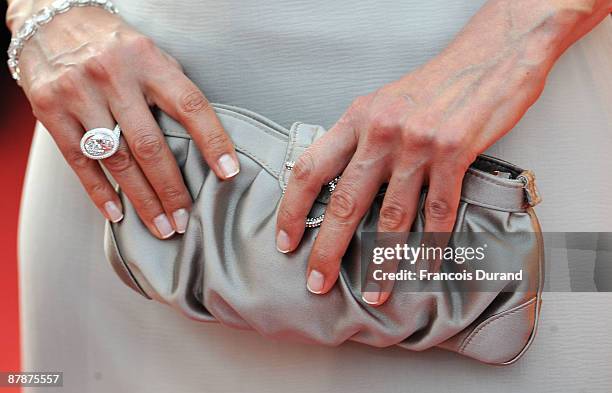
{"type": "Point", "coordinates": [163, 226]}
{"type": "Point", "coordinates": [228, 166]}
{"type": "Point", "coordinates": [283, 243]}
{"type": "Point", "coordinates": [372, 295]}
{"type": "Point", "coordinates": [181, 216]}
{"type": "Point", "coordinates": [113, 212]}
{"type": "Point", "coordinates": [315, 282]}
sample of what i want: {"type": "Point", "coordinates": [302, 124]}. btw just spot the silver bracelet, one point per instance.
{"type": "Point", "coordinates": [42, 17]}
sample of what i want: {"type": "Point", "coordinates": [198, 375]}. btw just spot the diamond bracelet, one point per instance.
{"type": "Point", "coordinates": [41, 18]}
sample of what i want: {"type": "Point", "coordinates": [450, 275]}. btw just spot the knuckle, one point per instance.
{"type": "Point", "coordinates": [355, 111]}
{"type": "Point", "coordinates": [359, 104]}
{"type": "Point", "coordinates": [193, 101]}
{"type": "Point", "coordinates": [142, 44]}
{"type": "Point", "coordinates": [171, 194]}
{"type": "Point", "coordinates": [43, 99]}
{"type": "Point", "coordinates": [304, 167]}
{"type": "Point", "coordinates": [287, 216]}
{"type": "Point", "coordinates": [216, 141]}
{"type": "Point", "coordinates": [97, 67]}
{"type": "Point", "coordinates": [419, 131]}
{"type": "Point", "coordinates": [362, 166]}
{"type": "Point", "coordinates": [76, 159]}
{"type": "Point", "coordinates": [449, 142]}
{"type": "Point", "coordinates": [324, 256]}
{"type": "Point", "coordinates": [392, 216]}
{"type": "Point", "coordinates": [342, 203]}
{"type": "Point", "coordinates": [119, 162]}
{"type": "Point", "coordinates": [438, 210]}
{"type": "Point", "coordinates": [347, 120]}
{"type": "Point", "coordinates": [148, 204]}
{"type": "Point", "coordinates": [97, 190]}
{"type": "Point", "coordinates": [147, 147]}
{"type": "Point", "coordinates": [419, 137]}
{"type": "Point", "coordinates": [122, 103]}
{"type": "Point", "coordinates": [383, 128]}
{"type": "Point", "coordinates": [68, 83]}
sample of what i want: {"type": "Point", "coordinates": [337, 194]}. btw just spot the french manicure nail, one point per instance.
{"type": "Point", "coordinates": [113, 212]}
{"type": "Point", "coordinates": [315, 282]}
{"type": "Point", "coordinates": [372, 294]}
{"type": "Point", "coordinates": [228, 166]}
{"type": "Point", "coordinates": [181, 216]}
{"type": "Point", "coordinates": [283, 244]}
{"type": "Point", "coordinates": [163, 226]}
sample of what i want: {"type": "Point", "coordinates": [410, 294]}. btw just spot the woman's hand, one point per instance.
{"type": "Point", "coordinates": [89, 69]}
{"type": "Point", "coordinates": [426, 129]}
{"type": "Point", "coordinates": [409, 133]}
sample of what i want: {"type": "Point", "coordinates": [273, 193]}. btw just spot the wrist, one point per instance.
{"type": "Point", "coordinates": [38, 20]}
{"type": "Point", "coordinates": [20, 10]}
{"type": "Point", "coordinates": [517, 40]}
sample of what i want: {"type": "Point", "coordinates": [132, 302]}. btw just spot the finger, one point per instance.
{"type": "Point", "coordinates": [126, 172]}
{"type": "Point", "coordinates": [397, 214]}
{"type": "Point", "coordinates": [349, 202]}
{"type": "Point", "coordinates": [319, 164]}
{"type": "Point", "coordinates": [440, 210]}
{"type": "Point", "coordinates": [67, 133]}
{"type": "Point", "coordinates": [401, 200]}
{"type": "Point", "coordinates": [442, 199]}
{"type": "Point", "coordinates": [148, 146]}
{"type": "Point", "coordinates": [175, 94]}
{"type": "Point", "coordinates": [128, 175]}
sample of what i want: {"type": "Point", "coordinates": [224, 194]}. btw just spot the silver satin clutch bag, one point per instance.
{"type": "Point", "coordinates": [226, 268]}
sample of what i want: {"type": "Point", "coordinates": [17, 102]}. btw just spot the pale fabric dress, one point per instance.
{"type": "Point", "coordinates": [307, 60]}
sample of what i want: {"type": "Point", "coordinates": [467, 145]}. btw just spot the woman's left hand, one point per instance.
{"type": "Point", "coordinates": [424, 129]}
{"type": "Point", "coordinates": [427, 128]}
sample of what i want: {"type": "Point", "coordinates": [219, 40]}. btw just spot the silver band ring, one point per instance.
{"type": "Point", "coordinates": [315, 222]}
{"type": "Point", "coordinates": [100, 143]}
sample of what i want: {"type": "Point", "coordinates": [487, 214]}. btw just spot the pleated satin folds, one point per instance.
{"type": "Point", "coordinates": [226, 268]}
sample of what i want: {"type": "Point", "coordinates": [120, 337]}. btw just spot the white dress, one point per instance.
{"type": "Point", "coordinates": [307, 60]}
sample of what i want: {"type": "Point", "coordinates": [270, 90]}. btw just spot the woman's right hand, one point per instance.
{"type": "Point", "coordinates": [87, 69]}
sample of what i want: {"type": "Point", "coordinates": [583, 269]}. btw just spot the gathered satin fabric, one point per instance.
{"type": "Point", "coordinates": [226, 268]}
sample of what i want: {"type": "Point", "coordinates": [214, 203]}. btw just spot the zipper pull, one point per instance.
{"type": "Point", "coordinates": [529, 185]}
